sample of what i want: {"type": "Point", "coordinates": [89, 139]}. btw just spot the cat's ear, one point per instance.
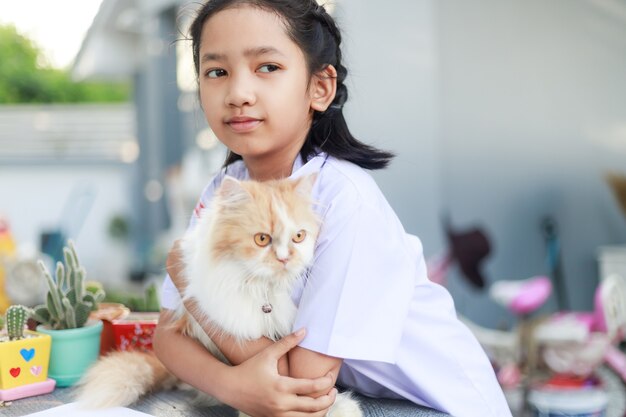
{"type": "Point", "coordinates": [305, 184]}
{"type": "Point", "coordinates": [231, 189]}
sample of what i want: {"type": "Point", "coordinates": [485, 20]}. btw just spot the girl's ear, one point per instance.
{"type": "Point", "coordinates": [323, 88]}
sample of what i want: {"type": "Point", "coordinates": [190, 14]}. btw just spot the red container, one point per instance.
{"type": "Point", "coordinates": [135, 331]}
{"type": "Point", "coordinates": [107, 312]}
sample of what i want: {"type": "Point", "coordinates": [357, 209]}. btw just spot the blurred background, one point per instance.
{"type": "Point", "coordinates": [506, 117]}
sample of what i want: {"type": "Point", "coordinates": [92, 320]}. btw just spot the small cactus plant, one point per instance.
{"type": "Point", "coordinates": [16, 316]}
{"type": "Point", "coordinates": [68, 304]}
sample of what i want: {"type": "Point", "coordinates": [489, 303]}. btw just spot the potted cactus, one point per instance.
{"type": "Point", "coordinates": [65, 317]}
{"type": "Point", "coordinates": [24, 358]}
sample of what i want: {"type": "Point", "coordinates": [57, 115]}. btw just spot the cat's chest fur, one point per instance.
{"type": "Point", "coordinates": [238, 308]}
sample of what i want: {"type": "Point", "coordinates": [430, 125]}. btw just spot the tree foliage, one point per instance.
{"type": "Point", "coordinates": [26, 78]}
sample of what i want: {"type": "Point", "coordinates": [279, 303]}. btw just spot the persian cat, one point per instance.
{"type": "Point", "coordinates": [241, 262]}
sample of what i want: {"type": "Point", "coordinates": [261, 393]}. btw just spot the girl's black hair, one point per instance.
{"type": "Point", "coordinates": [315, 32]}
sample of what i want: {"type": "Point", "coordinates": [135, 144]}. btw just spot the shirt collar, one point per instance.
{"type": "Point", "coordinates": [312, 165]}
{"type": "Point", "coordinates": [300, 168]}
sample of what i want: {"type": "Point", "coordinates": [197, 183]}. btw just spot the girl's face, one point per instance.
{"type": "Point", "coordinates": [254, 85]}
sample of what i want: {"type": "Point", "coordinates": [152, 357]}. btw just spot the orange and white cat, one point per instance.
{"type": "Point", "coordinates": [241, 262]}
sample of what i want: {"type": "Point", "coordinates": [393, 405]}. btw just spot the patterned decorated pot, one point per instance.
{"type": "Point", "coordinates": [24, 366]}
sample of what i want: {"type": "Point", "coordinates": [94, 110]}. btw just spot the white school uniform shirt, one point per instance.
{"type": "Point", "coordinates": [369, 301]}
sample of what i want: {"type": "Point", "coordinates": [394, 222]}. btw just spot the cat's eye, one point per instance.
{"type": "Point", "coordinates": [262, 239]}
{"type": "Point", "coordinates": [299, 237]}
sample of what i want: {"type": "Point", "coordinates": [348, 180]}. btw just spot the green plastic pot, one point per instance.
{"type": "Point", "coordinates": [73, 352]}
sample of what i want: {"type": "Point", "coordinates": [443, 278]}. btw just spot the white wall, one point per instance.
{"type": "Point", "coordinates": [390, 54]}
{"type": "Point", "coordinates": [34, 198]}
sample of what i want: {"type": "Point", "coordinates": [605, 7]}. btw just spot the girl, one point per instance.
{"type": "Point", "coordinates": [271, 85]}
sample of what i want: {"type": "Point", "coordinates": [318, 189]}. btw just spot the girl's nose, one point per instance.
{"type": "Point", "coordinates": [240, 93]}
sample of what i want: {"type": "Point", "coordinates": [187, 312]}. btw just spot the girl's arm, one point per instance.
{"type": "Point", "coordinates": [235, 351]}
{"type": "Point", "coordinates": [305, 363]}
{"type": "Point", "coordinates": [254, 386]}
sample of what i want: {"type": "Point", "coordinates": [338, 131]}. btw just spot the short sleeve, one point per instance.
{"type": "Point", "coordinates": [170, 297]}
{"type": "Point", "coordinates": [356, 300]}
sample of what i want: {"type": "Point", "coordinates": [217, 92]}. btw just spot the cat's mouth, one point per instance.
{"type": "Point", "coordinates": [283, 271]}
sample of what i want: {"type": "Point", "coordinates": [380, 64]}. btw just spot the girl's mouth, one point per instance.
{"type": "Point", "coordinates": [243, 124]}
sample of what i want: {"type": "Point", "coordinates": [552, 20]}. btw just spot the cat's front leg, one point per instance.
{"type": "Point", "coordinates": [345, 406]}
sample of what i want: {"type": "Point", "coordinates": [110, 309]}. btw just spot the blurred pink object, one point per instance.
{"type": "Point", "coordinates": [509, 376]}
{"type": "Point", "coordinates": [522, 296]}
{"type": "Point", "coordinates": [576, 343]}
{"type": "Point", "coordinates": [437, 268]}
{"type": "Point", "coordinates": [599, 319]}
{"type": "Point", "coordinates": [577, 358]}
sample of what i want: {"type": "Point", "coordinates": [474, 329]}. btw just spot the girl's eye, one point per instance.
{"type": "Point", "coordinates": [268, 68]}
{"type": "Point", "coordinates": [215, 73]}
{"type": "Point", "coordinates": [262, 239]}
{"type": "Point", "coordinates": [299, 237]}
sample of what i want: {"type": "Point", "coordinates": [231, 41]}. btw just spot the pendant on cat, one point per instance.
{"type": "Point", "coordinates": [266, 308]}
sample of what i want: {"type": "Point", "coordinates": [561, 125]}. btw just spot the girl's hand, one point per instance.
{"type": "Point", "coordinates": [174, 266]}
{"type": "Point", "coordinates": [262, 392]}
{"type": "Point", "coordinates": [254, 386]}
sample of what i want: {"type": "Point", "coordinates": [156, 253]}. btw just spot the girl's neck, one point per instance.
{"type": "Point", "coordinates": [272, 167]}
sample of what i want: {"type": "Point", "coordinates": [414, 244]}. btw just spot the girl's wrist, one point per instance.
{"type": "Point", "coordinates": [226, 391]}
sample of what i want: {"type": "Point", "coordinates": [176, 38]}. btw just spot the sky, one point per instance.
{"type": "Point", "coordinates": [56, 26]}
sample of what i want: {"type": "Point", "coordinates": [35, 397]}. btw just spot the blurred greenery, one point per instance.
{"type": "Point", "coordinates": [26, 78]}
{"type": "Point", "coordinates": [119, 227]}
{"type": "Point", "coordinates": [146, 302]}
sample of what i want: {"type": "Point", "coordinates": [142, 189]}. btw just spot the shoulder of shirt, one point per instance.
{"type": "Point", "coordinates": [348, 182]}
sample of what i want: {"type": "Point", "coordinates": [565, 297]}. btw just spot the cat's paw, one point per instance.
{"type": "Point", "coordinates": [345, 406]}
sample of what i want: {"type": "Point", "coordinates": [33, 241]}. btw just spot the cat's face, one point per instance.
{"type": "Point", "coordinates": [269, 227]}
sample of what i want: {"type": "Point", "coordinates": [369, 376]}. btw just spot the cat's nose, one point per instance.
{"type": "Point", "coordinates": [283, 260]}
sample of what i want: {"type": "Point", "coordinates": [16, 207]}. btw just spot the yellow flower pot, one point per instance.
{"type": "Point", "coordinates": [24, 361]}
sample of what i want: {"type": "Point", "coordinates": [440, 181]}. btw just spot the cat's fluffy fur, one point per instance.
{"type": "Point", "coordinates": [231, 275]}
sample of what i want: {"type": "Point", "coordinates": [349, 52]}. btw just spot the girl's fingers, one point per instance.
{"type": "Point", "coordinates": [309, 386]}
{"type": "Point", "coordinates": [284, 345]}
{"type": "Point", "coordinates": [304, 406]}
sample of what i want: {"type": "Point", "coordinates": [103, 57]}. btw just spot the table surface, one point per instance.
{"type": "Point", "coordinates": [176, 403]}
{"type": "Point", "coordinates": [179, 403]}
